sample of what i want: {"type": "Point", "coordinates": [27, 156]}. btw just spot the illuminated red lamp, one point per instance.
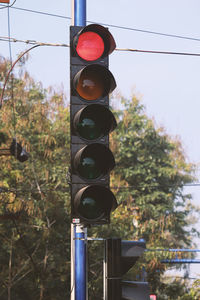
{"type": "Point", "coordinates": [94, 42]}
{"type": "Point", "coordinates": [4, 1]}
{"type": "Point", "coordinates": [90, 46]}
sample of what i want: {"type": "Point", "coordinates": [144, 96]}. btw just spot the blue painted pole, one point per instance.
{"type": "Point", "coordinates": [80, 272]}
{"type": "Point", "coordinates": [80, 263]}
{"type": "Point", "coordinates": [80, 12]}
{"type": "Point", "coordinates": [180, 261]}
{"type": "Point", "coordinates": [172, 250]}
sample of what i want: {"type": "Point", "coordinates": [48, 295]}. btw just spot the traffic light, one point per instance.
{"type": "Point", "coordinates": [119, 257]}
{"type": "Point", "coordinates": [17, 151]}
{"type": "Point", "coordinates": [91, 121]}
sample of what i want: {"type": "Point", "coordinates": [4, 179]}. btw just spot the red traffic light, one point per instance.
{"type": "Point", "coordinates": [91, 121]}
{"type": "Point", "coordinates": [93, 42]}
{"type": "Point", "coordinates": [90, 46]}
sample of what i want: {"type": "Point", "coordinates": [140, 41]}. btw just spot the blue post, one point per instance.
{"type": "Point", "coordinates": [180, 261]}
{"type": "Point", "coordinates": [80, 12]}
{"type": "Point", "coordinates": [80, 280]}
{"type": "Point", "coordinates": [80, 264]}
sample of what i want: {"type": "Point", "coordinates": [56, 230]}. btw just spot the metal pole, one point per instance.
{"type": "Point", "coordinates": [80, 12]}
{"type": "Point", "coordinates": [79, 232]}
{"type": "Point", "coordinates": [80, 263]}
{"type": "Point", "coordinates": [72, 293]}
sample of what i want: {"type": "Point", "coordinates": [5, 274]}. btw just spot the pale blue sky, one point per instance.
{"type": "Point", "coordinates": [169, 84]}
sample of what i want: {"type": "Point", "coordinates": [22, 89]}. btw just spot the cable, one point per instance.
{"type": "Point", "coordinates": [158, 52]}
{"type": "Point", "coordinates": [32, 42]}
{"type": "Point", "coordinates": [8, 5]}
{"type": "Point", "coordinates": [181, 277]}
{"type": "Point", "coordinates": [8, 74]}
{"type": "Point", "coordinates": [153, 32]}
{"type": "Point", "coordinates": [155, 186]}
{"type": "Point", "coordinates": [11, 190]}
{"type": "Point", "coordinates": [39, 12]}
{"type": "Point", "coordinates": [12, 86]}
{"type": "Point", "coordinates": [114, 26]}
{"type": "Point", "coordinates": [12, 89]}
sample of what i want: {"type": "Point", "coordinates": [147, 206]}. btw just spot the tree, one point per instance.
{"type": "Point", "coordinates": [150, 174]}
{"type": "Point", "coordinates": [195, 290]}
{"type": "Point", "coordinates": [34, 196]}
{"type": "Point", "coordinates": [148, 180]}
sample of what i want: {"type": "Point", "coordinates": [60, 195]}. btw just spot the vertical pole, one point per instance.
{"type": "Point", "coordinates": [79, 268]}
{"type": "Point", "coordinates": [112, 269]}
{"type": "Point", "coordinates": [80, 263]}
{"type": "Point", "coordinates": [72, 292]}
{"type": "Point", "coordinates": [80, 12]}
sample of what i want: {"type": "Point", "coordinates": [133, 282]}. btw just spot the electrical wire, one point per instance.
{"type": "Point", "coordinates": [153, 32]}
{"type": "Point", "coordinates": [155, 186]}
{"type": "Point", "coordinates": [182, 277]}
{"type": "Point", "coordinates": [12, 89]}
{"type": "Point", "coordinates": [39, 12]}
{"type": "Point", "coordinates": [112, 25]}
{"type": "Point", "coordinates": [6, 6]}
{"type": "Point", "coordinates": [33, 42]}
{"type": "Point", "coordinates": [9, 72]}
{"type": "Point", "coordinates": [158, 52]}
{"type": "Point", "coordinates": [12, 190]}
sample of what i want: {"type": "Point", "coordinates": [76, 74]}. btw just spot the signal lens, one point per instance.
{"type": "Point", "coordinates": [93, 122]}
{"type": "Point", "coordinates": [94, 202]}
{"type": "Point", "coordinates": [89, 168]}
{"type": "Point", "coordinates": [90, 85]}
{"type": "Point", "coordinates": [88, 128]}
{"type": "Point", "coordinates": [93, 161]}
{"type": "Point", "coordinates": [89, 207]}
{"type": "Point", "coordinates": [90, 46]}
{"type": "Point", "coordinates": [93, 82]}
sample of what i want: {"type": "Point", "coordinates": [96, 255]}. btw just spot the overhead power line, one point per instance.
{"type": "Point", "coordinates": [14, 190]}
{"type": "Point", "coordinates": [110, 25]}
{"type": "Point", "coordinates": [158, 52]}
{"type": "Point", "coordinates": [42, 13]}
{"type": "Point", "coordinates": [155, 186]}
{"type": "Point", "coordinates": [38, 12]}
{"type": "Point", "coordinates": [32, 42]}
{"type": "Point", "coordinates": [182, 277]}
{"type": "Point", "coordinates": [6, 6]}
{"type": "Point", "coordinates": [153, 32]}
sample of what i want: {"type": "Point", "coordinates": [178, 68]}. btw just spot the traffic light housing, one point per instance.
{"type": "Point", "coordinates": [91, 121]}
{"type": "Point", "coordinates": [18, 151]}
{"type": "Point", "coordinates": [119, 257]}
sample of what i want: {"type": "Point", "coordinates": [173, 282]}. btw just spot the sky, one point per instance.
{"type": "Point", "coordinates": [168, 85]}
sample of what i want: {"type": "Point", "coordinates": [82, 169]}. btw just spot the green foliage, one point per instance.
{"type": "Point", "coordinates": [151, 171]}
{"type": "Point", "coordinates": [150, 174]}
{"type": "Point", "coordinates": [195, 290]}
{"type": "Point", "coordinates": [35, 221]}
